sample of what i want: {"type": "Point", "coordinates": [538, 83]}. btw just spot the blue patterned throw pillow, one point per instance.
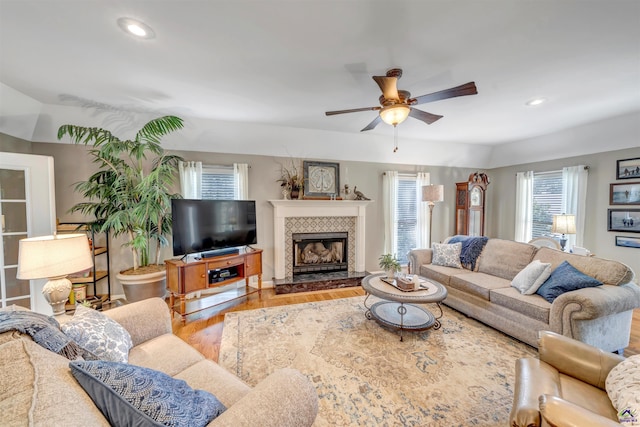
{"type": "Point", "coordinates": [447, 255]}
{"type": "Point", "coordinates": [131, 395]}
{"type": "Point", "coordinates": [563, 279]}
{"type": "Point", "coordinates": [101, 336]}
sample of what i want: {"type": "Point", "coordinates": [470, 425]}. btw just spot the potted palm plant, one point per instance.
{"type": "Point", "coordinates": [130, 195]}
{"type": "Point", "coordinates": [390, 265]}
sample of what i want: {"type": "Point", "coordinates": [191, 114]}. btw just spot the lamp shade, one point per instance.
{"type": "Point", "coordinates": [53, 256]}
{"type": "Point", "coordinates": [564, 224]}
{"type": "Point", "coordinates": [433, 193]}
{"type": "Point", "coordinates": [394, 114]}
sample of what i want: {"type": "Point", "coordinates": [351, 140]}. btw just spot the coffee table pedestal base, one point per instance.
{"type": "Point", "coordinates": [397, 315]}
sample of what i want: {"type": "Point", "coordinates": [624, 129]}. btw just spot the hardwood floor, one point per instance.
{"type": "Point", "coordinates": [203, 330]}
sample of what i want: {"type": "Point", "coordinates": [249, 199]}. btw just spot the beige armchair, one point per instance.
{"type": "Point", "coordinates": [565, 386]}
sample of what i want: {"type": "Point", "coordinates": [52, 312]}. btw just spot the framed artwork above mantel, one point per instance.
{"type": "Point", "coordinates": [321, 180]}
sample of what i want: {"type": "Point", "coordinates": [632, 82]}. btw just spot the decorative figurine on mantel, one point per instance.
{"type": "Point", "coordinates": [359, 195]}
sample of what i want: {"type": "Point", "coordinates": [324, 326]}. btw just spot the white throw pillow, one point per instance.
{"type": "Point", "coordinates": [623, 388]}
{"type": "Point", "coordinates": [532, 277]}
{"type": "Point", "coordinates": [98, 334]}
{"type": "Point", "coordinates": [447, 255]}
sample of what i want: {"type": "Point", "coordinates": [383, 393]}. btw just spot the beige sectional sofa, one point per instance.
{"type": "Point", "coordinates": [599, 316]}
{"type": "Point", "coordinates": [37, 387]}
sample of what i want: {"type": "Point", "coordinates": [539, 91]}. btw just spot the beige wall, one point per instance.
{"type": "Point", "coordinates": [602, 167]}
{"type": "Point", "coordinates": [72, 165]}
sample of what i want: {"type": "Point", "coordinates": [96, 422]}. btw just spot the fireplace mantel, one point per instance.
{"type": "Point", "coordinates": [316, 208]}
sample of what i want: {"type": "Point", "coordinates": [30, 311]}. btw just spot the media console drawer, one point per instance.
{"type": "Point", "coordinates": [213, 263]}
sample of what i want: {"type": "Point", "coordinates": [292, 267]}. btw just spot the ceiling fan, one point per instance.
{"type": "Point", "coordinates": [396, 105]}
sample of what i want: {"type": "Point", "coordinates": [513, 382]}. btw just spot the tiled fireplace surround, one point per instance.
{"type": "Point", "coordinates": [314, 216]}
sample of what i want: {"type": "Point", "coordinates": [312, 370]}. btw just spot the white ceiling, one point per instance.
{"type": "Point", "coordinates": [284, 63]}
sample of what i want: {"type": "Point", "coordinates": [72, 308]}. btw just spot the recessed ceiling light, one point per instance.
{"type": "Point", "coordinates": [136, 28]}
{"type": "Point", "coordinates": [535, 101]}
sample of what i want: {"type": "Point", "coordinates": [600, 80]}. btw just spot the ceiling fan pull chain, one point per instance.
{"type": "Point", "coordinates": [395, 138]}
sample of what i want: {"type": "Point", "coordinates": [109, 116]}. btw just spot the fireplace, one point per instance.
{"type": "Point", "coordinates": [319, 252]}
{"type": "Point", "coordinates": [317, 216]}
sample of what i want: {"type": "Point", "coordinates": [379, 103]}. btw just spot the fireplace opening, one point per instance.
{"type": "Point", "coordinates": [319, 252]}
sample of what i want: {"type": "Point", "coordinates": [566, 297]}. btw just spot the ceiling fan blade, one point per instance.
{"type": "Point", "coordinates": [354, 110]}
{"type": "Point", "coordinates": [428, 118]}
{"type": "Point", "coordinates": [388, 86]}
{"type": "Point", "coordinates": [462, 90]}
{"type": "Point", "coordinates": [373, 124]}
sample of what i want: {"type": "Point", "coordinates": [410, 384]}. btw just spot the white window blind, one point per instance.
{"type": "Point", "coordinates": [547, 201]}
{"type": "Point", "coordinates": [407, 216]}
{"type": "Point", "coordinates": [217, 182]}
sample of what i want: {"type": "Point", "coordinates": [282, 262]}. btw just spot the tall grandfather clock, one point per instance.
{"type": "Point", "coordinates": [470, 201]}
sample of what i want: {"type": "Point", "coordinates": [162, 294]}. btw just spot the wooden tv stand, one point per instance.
{"type": "Point", "coordinates": [210, 273]}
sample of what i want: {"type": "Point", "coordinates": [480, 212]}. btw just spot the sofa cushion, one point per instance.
{"type": "Point", "coordinates": [447, 255]}
{"type": "Point", "coordinates": [153, 354]}
{"type": "Point", "coordinates": [439, 273]}
{"type": "Point", "coordinates": [533, 306]}
{"type": "Point", "coordinates": [607, 271]}
{"type": "Point", "coordinates": [505, 258]}
{"type": "Point", "coordinates": [103, 337]}
{"type": "Point", "coordinates": [133, 395]}
{"type": "Point", "coordinates": [532, 277]}
{"type": "Point", "coordinates": [37, 388]}
{"type": "Point", "coordinates": [478, 284]}
{"type": "Point", "coordinates": [563, 279]}
{"type": "Point", "coordinates": [623, 388]}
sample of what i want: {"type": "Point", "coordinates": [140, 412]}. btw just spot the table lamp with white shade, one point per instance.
{"type": "Point", "coordinates": [564, 224]}
{"type": "Point", "coordinates": [54, 257]}
{"type": "Point", "coordinates": [432, 194]}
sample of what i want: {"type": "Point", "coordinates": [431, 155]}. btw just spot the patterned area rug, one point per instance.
{"type": "Point", "coordinates": [459, 375]}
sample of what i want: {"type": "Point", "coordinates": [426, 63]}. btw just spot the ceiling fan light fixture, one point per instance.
{"type": "Point", "coordinates": [394, 114]}
{"type": "Point", "coordinates": [136, 28]}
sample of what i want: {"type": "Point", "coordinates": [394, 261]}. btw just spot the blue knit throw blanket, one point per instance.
{"type": "Point", "coordinates": [471, 249]}
{"type": "Point", "coordinates": [44, 330]}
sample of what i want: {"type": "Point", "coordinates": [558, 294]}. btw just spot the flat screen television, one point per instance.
{"type": "Point", "coordinates": [210, 225]}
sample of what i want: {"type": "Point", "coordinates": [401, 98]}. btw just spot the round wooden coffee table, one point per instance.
{"type": "Point", "coordinates": [398, 310]}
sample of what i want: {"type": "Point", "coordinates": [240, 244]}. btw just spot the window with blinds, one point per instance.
{"type": "Point", "coordinates": [547, 201]}
{"type": "Point", "coordinates": [407, 216]}
{"type": "Point", "coordinates": [217, 182]}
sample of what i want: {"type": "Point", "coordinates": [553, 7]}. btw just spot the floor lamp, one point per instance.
{"type": "Point", "coordinates": [54, 257]}
{"type": "Point", "coordinates": [564, 224]}
{"type": "Point", "coordinates": [432, 194]}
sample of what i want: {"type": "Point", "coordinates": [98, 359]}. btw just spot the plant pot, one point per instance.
{"type": "Point", "coordinates": [138, 287]}
{"type": "Point", "coordinates": [391, 274]}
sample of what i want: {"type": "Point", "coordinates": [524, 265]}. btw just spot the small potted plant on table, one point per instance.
{"type": "Point", "coordinates": [390, 265]}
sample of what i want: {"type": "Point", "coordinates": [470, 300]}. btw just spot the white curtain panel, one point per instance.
{"type": "Point", "coordinates": [241, 181]}
{"type": "Point", "coordinates": [422, 236]}
{"type": "Point", "coordinates": [574, 200]}
{"type": "Point", "coordinates": [191, 179]}
{"type": "Point", "coordinates": [524, 206]}
{"type": "Point", "coordinates": [389, 198]}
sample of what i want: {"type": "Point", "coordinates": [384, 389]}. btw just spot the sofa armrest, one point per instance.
{"type": "Point", "coordinates": [598, 301]}
{"type": "Point", "coordinates": [558, 412]}
{"type": "Point", "coordinates": [295, 404]}
{"type": "Point", "coordinates": [576, 359]}
{"type": "Point", "coordinates": [533, 378]}
{"type": "Point", "coordinates": [144, 319]}
{"type": "Point", "coordinates": [417, 257]}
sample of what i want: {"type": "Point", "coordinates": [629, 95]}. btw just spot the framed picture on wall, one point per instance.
{"type": "Point", "coordinates": [625, 194]}
{"type": "Point", "coordinates": [321, 179]}
{"type": "Point", "coordinates": [628, 168]}
{"type": "Point", "coordinates": [628, 242]}
{"type": "Point", "coordinates": [627, 220]}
